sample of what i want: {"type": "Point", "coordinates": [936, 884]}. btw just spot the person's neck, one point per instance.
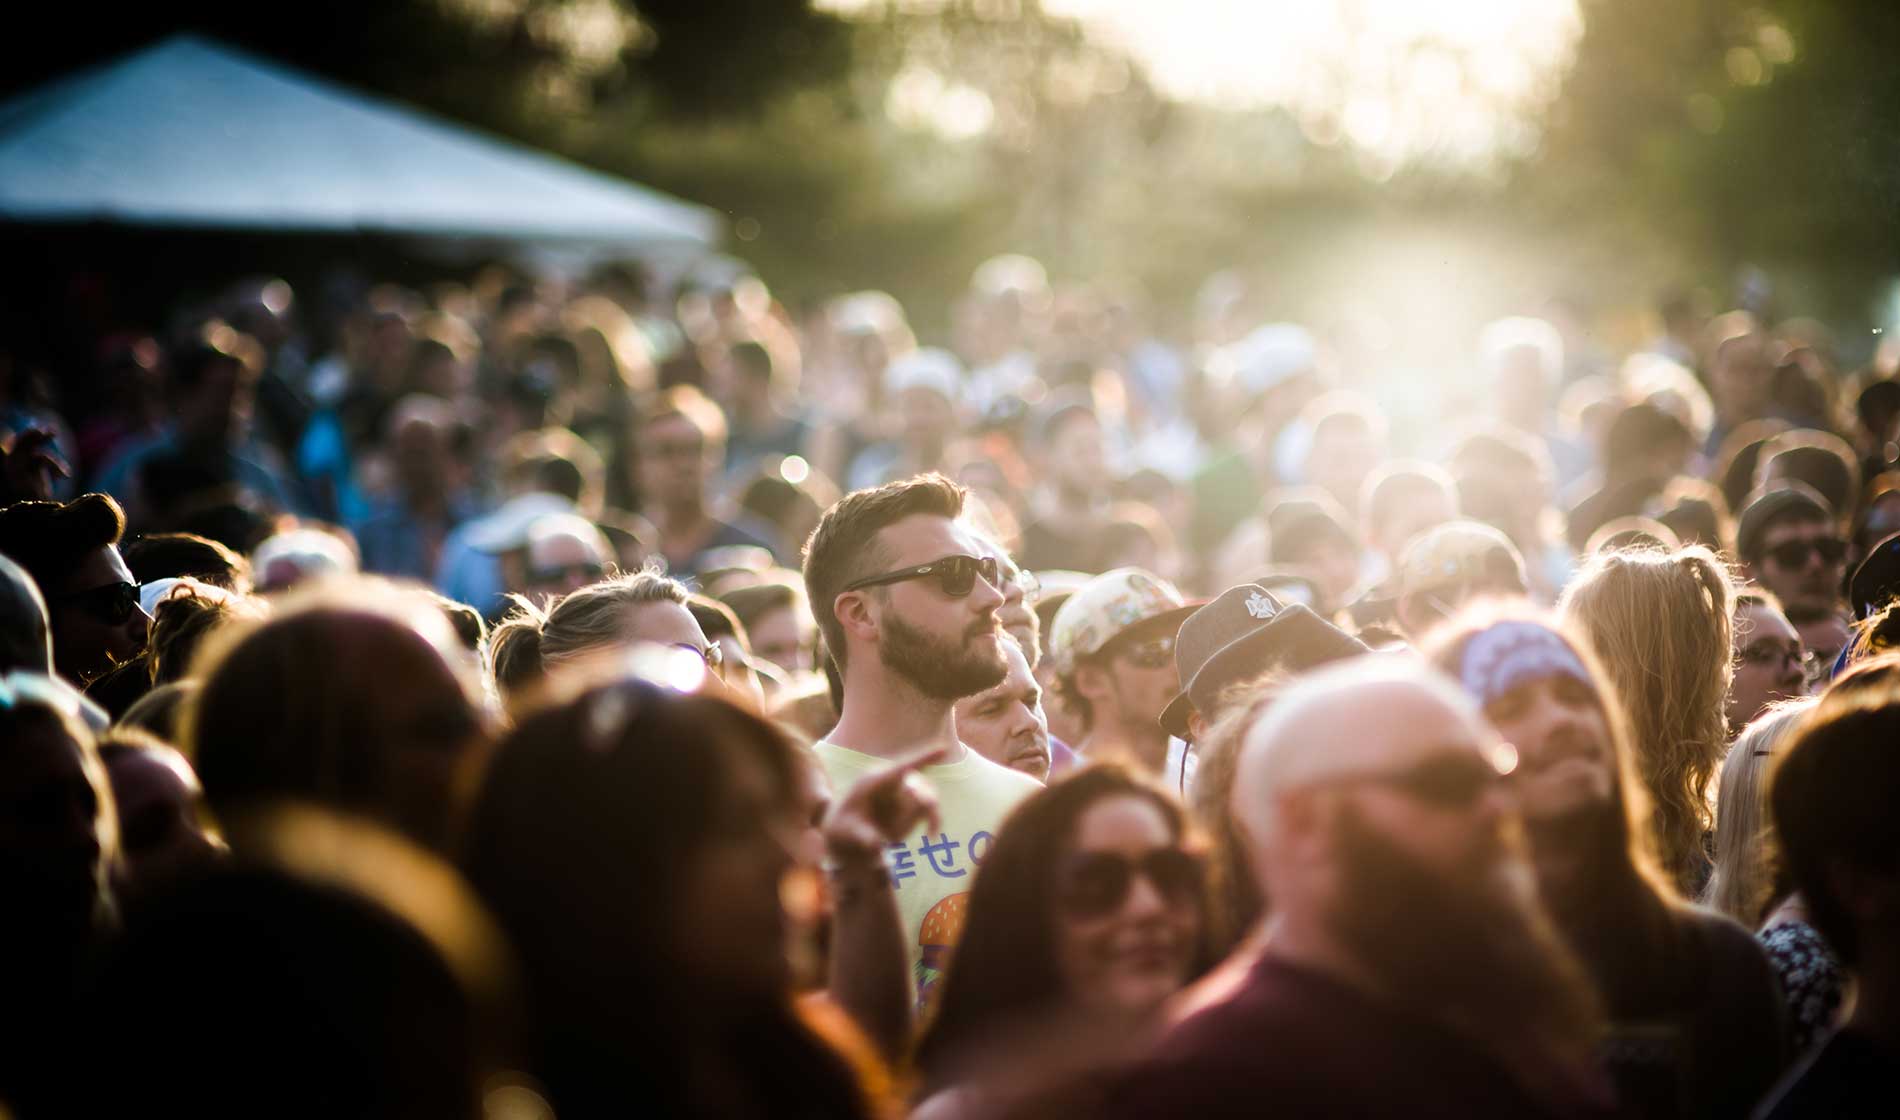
{"type": "Point", "coordinates": [885, 715]}
{"type": "Point", "coordinates": [1304, 943]}
{"type": "Point", "coordinates": [1149, 752]}
{"type": "Point", "coordinates": [682, 517]}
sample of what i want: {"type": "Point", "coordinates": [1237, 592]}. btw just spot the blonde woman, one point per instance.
{"type": "Point", "coordinates": [1751, 885]}
{"type": "Point", "coordinates": [1660, 624]}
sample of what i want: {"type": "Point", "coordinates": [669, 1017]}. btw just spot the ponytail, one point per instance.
{"type": "Point", "coordinates": [514, 649]}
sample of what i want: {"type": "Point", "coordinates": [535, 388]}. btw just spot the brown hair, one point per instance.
{"type": "Point", "coordinates": [844, 547]}
{"type": "Point", "coordinates": [1660, 625]}
{"type": "Point", "coordinates": [290, 709]}
{"type": "Point", "coordinates": [1831, 795]}
{"type": "Point", "coordinates": [180, 622]}
{"type": "Point", "coordinates": [1005, 965]}
{"type": "Point", "coordinates": [49, 539]}
{"type": "Point", "coordinates": [531, 638]}
{"type": "Point", "coordinates": [1238, 901]}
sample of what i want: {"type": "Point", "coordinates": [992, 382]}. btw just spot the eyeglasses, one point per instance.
{"type": "Point", "coordinates": [1093, 884]}
{"type": "Point", "coordinates": [1794, 554]}
{"type": "Point", "coordinates": [956, 575]}
{"type": "Point", "coordinates": [589, 572]}
{"type": "Point", "coordinates": [1156, 653]}
{"type": "Point", "coordinates": [112, 603]}
{"type": "Point", "coordinates": [1448, 780]}
{"type": "Point", "coordinates": [1770, 652]}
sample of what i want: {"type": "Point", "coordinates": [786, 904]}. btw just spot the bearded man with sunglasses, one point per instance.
{"type": "Point", "coordinates": [71, 550]}
{"type": "Point", "coordinates": [1408, 968]}
{"type": "Point", "coordinates": [907, 596]}
{"type": "Point", "coordinates": [1112, 642]}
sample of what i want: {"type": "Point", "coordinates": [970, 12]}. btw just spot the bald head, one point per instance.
{"type": "Point", "coordinates": [26, 641]}
{"type": "Point", "coordinates": [1369, 716]}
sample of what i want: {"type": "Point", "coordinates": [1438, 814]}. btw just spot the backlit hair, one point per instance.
{"type": "Point", "coordinates": [533, 639]}
{"type": "Point", "coordinates": [1660, 623]}
{"type": "Point", "coordinates": [1747, 858]}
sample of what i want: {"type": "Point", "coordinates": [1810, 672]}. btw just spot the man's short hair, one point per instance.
{"type": "Point", "coordinates": [1640, 429]}
{"type": "Point", "coordinates": [50, 539]}
{"type": "Point", "coordinates": [693, 406]}
{"type": "Point", "coordinates": [1823, 460]}
{"type": "Point", "coordinates": [161, 555]}
{"type": "Point", "coordinates": [1832, 794]}
{"type": "Point", "coordinates": [844, 547]}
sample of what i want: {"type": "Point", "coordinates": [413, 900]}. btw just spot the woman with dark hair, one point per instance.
{"type": "Point", "coordinates": [647, 912]}
{"type": "Point", "coordinates": [1091, 904]}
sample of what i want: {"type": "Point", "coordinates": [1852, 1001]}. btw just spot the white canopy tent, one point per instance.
{"type": "Point", "coordinates": [190, 133]}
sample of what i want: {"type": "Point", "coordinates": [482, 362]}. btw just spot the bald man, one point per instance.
{"type": "Point", "coordinates": [1406, 964]}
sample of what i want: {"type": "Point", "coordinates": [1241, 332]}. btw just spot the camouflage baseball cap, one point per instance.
{"type": "Point", "coordinates": [1107, 605]}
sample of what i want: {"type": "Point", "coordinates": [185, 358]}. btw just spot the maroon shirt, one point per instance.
{"type": "Point", "coordinates": [1293, 1042]}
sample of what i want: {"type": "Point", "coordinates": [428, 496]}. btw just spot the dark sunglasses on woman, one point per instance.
{"type": "Point", "coordinates": [1092, 884]}
{"type": "Point", "coordinates": [956, 575]}
{"type": "Point", "coordinates": [1794, 554]}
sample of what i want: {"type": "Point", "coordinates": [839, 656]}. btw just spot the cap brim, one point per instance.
{"type": "Point", "coordinates": [1174, 717]}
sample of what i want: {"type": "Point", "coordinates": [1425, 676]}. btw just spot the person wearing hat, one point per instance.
{"type": "Point", "coordinates": [1244, 632]}
{"type": "Point", "coordinates": [1456, 562]}
{"type": "Point", "coordinates": [1112, 645]}
{"type": "Point", "coordinates": [1789, 541]}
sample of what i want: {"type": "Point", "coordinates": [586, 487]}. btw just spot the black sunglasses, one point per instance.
{"type": "Point", "coordinates": [1096, 883]}
{"type": "Point", "coordinates": [1450, 780]}
{"type": "Point", "coordinates": [956, 575]}
{"type": "Point", "coordinates": [560, 573]}
{"type": "Point", "coordinates": [112, 603]}
{"type": "Point", "coordinates": [1794, 554]}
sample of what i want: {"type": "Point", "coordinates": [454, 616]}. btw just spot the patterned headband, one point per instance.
{"type": "Point", "coordinates": [1501, 657]}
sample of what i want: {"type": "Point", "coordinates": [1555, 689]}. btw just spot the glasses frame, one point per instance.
{"type": "Point", "coordinates": [983, 567]}
{"type": "Point", "coordinates": [1185, 859]}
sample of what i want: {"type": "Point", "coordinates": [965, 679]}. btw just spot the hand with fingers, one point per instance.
{"type": "Point", "coordinates": [29, 468]}
{"type": "Point", "coordinates": [881, 808]}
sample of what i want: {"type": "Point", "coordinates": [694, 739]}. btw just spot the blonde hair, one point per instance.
{"type": "Point", "coordinates": [1659, 623]}
{"type": "Point", "coordinates": [532, 638]}
{"type": "Point", "coordinates": [1746, 856]}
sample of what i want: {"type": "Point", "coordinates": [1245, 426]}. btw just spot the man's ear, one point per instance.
{"type": "Point", "coordinates": [856, 615]}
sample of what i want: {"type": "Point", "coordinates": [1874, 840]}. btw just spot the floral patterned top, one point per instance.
{"type": "Point", "coordinates": [1811, 978]}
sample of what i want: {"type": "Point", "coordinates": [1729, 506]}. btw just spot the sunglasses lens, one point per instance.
{"type": "Point", "coordinates": [1174, 873]}
{"type": "Point", "coordinates": [1450, 782]}
{"type": "Point", "coordinates": [958, 575]}
{"type": "Point", "coordinates": [125, 601]}
{"type": "Point", "coordinates": [1832, 550]}
{"type": "Point", "coordinates": [1095, 884]}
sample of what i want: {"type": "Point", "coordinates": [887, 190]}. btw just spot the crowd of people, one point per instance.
{"type": "Point", "coordinates": [531, 697]}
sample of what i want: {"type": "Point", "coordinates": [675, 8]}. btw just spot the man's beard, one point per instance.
{"type": "Point", "coordinates": [1468, 949]}
{"type": "Point", "coordinates": [939, 669]}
